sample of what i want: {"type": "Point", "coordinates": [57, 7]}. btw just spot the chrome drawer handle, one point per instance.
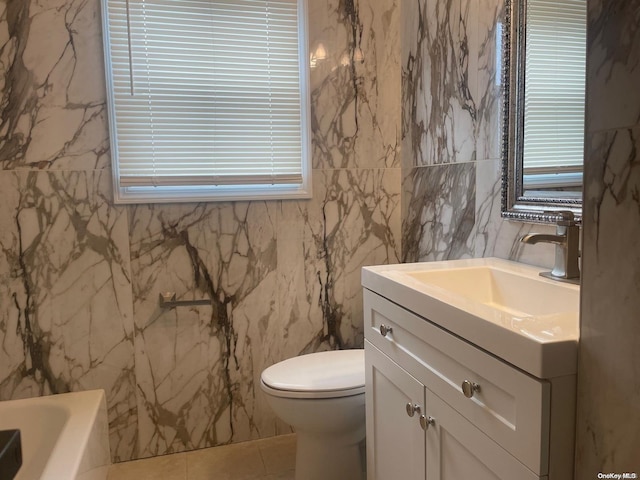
{"type": "Point", "coordinates": [469, 388]}
{"type": "Point", "coordinates": [412, 409]}
{"type": "Point", "coordinates": [384, 330]}
{"type": "Point", "coordinates": [425, 421]}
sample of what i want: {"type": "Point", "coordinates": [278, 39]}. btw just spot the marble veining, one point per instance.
{"type": "Point", "coordinates": [440, 212]}
{"type": "Point", "coordinates": [614, 64]}
{"type": "Point", "coordinates": [495, 236]}
{"type": "Point", "coordinates": [52, 94]}
{"type": "Point", "coordinates": [609, 360]}
{"type": "Point", "coordinates": [489, 94]}
{"type": "Point", "coordinates": [194, 365]}
{"type": "Point", "coordinates": [355, 83]}
{"type": "Point", "coordinates": [440, 82]}
{"type": "Point", "coordinates": [320, 258]}
{"type": "Point", "coordinates": [413, 104]}
{"type": "Point", "coordinates": [66, 320]}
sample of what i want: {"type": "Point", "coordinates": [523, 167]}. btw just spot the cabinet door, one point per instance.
{"type": "Point", "coordinates": [395, 441]}
{"type": "Point", "coordinates": [456, 449]}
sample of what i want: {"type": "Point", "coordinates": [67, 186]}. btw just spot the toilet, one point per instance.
{"type": "Point", "coordinates": [321, 395]}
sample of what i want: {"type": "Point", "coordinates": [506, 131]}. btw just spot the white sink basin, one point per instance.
{"type": "Point", "coordinates": [502, 289]}
{"type": "Point", "coordinates": [503, 307]}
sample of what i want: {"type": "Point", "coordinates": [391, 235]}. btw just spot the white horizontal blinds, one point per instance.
{"type": "Point", "coordinates": [555, 85]}
{"type": "Point", "coordinates": [206, 92]}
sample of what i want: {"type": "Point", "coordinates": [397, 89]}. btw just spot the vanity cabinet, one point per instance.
{"type": "Point", "coordinates": [435, 442]}
{"type": "Point", "coordinates": [438, 407]}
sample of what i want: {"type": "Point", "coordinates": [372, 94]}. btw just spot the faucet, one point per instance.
{"type": "Point", "coordinates": [567, 242]}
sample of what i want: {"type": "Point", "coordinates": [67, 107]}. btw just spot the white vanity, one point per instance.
{"type": "Point", "coordinates": [470, 371]}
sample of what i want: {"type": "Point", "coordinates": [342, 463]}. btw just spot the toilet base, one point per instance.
{"type": "Point", "coordinates": [336, 459]}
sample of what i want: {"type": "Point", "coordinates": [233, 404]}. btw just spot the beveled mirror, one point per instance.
{"type": "Point", "coordinates": [543, 81]}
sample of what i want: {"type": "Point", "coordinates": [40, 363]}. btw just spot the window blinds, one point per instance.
{"type": "Point", "coordinates": [555, 86]}
{"type": "Point", "coordinates": [206, 92]}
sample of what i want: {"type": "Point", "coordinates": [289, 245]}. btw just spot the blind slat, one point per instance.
{"type": "Point", "coordinates": [132, 180]}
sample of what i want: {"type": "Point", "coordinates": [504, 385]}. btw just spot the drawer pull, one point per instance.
{"type": "Point", "coordinates": [426, 421]}
{"type": "Point", "coordinates": [384, 330]}
{"type": "Point", "coordinates": [412, 409]}
{"type": "Point", "coordinates": [469, 388]}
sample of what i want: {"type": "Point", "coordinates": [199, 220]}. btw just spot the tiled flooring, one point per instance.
{"type": "Point", "coordinates": [268, 459]}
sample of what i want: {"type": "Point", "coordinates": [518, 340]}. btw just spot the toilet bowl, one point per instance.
{"type": "Point", "coordinates": [321, 395]}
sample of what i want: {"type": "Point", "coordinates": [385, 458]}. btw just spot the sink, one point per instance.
{"type": "Point", "coordinates": [510, 292]}
{"type": "Point", "coordinates": [504, 307]}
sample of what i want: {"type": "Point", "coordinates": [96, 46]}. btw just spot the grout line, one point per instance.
{"type": "Point", "coordinates": [264, 464]}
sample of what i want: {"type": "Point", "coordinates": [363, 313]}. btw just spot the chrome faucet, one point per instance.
{"type": "Point", "coordinates": [567, 242]}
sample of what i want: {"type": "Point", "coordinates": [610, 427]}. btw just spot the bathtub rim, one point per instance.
{"type": "Point", "coordinates": [82, 409]}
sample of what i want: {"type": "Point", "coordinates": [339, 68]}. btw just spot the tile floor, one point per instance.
{"type": "Point", "coordinates": [267, 459]}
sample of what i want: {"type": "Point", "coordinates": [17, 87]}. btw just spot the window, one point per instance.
{"type": "Point", "coordinates": [208, 99]}
{"type": "Point", "coordinates": [556, 42]}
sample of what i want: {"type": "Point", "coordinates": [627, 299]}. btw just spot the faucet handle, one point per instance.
{"type": "Point", "coordinates": [565, 218]}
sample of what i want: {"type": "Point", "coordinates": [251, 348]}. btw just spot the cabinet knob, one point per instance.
{"type": "Point", "coordinates": [469, 388]}
{"type": "Point", "coordinates": [425, 421]}
{"type": "Point", "coordinates": [384, 330]}
{"type": "Point", "coordinates": [412, 409]}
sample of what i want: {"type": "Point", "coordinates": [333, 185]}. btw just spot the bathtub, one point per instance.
{"type": "Point", "coordinates": [63, 436]}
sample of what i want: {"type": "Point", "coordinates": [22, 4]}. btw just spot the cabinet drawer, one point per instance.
{"type": "Point", "coordinates": [510, 406]}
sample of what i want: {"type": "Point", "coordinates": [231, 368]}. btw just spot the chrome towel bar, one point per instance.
{"type": "Point", "coordinates": [168, 301]}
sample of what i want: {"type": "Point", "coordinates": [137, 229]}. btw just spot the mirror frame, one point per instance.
{"type": "Point", "coordinates": [515, 205]}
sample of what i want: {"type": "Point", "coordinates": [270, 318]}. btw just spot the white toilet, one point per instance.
{"type": "Point", "coordinates": [321, 395]}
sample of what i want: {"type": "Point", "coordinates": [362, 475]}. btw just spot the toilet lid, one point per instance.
{"type": "Point", "coordinates": [318, 372]}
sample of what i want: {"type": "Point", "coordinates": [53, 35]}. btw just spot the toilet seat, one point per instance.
{"type": "Point", "coordinates": [332, 374]}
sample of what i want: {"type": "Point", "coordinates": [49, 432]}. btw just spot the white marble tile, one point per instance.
{"type": "Point", "coordinates": [438, 212]}
{"type": "Point", "coordinates": [613, 67]}
{"type": "Point", "coordinates": [194, 365]}
{"type": "Point", "coordinates": [355, 83]}
{"type": "Point", "coordinates": [439, 81]}
{"type": "Point", "coordinates": [352, 221]}
{"type": "Point", "coordinates": [67, 322]}
{"type": "Point", "coordinates": [489, 88]}
{"type": "Point", "coordinates": [608, 361]}
{"type": "Point", "coordinates": [609, 358]}
{"type": "Point", "coordinates": [53, 90]}
{"type": "Point", "coordinates": [498, 237]}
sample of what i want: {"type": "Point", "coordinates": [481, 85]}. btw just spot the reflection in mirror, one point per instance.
{"type": "Point", "coordinates": [544, 91]}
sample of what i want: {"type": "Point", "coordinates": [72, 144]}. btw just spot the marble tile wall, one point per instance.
{"type": "Point", "coordinates": [608, 416]}
{"type": "Point", "coordinates": [451, 136]}
{"type": "Point", "coordinates": [80, 277]}
{"type": "Point", "coordinates": [66, 312]}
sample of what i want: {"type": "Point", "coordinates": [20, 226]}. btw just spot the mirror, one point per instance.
{"type": "Point", "coordinates": [543, 82]}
